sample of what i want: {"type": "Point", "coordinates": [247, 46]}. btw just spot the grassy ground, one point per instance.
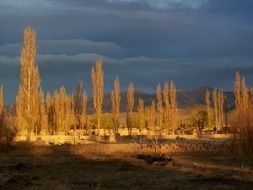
{"type": "Point", "coordinates": [57, 167]}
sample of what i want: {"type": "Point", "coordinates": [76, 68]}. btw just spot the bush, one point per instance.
{"type": "Point", "coordinates": [198, 121]}
{"type": "Point", "coordinates": [7, 129]}
{"type": "Point", "coordinates": [106, 121]}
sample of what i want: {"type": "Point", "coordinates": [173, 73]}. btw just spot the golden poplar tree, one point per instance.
{"type": "Point", "coordinates": [218, 110]}
{"type": "Point", "coordinates": [167, 111]}
{"type": "Point", "coordinates": [208, 108]}
{"type": "Point", "coordinates": [154, 129]}
{"type": "Point", "coordinates": [238, 103]}
{"type": "Point", "coordinates": [115, 99]}
{"type": "Point", "coordinates": [215, 108]}
{"type": "Point", "coordinates": [69, 113]}
{"type": "Point", "coordinates": [130, 107]}
{"type": "Point", "coordinates": [221, 112]}
{"type": "Point", "coordinates": [80, 106]}
{"type": "Point", "coordinates": [50, 110]}
{"type": "Point", "coordinates": [84, 118]}
{"type": "Point", "coordinates": [247, 127]}
{"type": "Point", "coordinates": [59, 110]}
{"type": "Point", "coordinates": [30, 81]}
{"type": "Point", "coordinates": [64, 111]}
{"type": "Point", "coordinates": [241, 101]}
{"type": "Point", "coordinates": [245, 105]}
{"type": "Point", "coordinates": [141, 112]}
{"type": "Point", "coordinates": [173, 102]}
{"type": "Point", "coordinates": [159, 98]}
{"type": "Point", "coordinates": [170, 110]}
{"type": "Point", "coordinates": [237, 93]}
{"type": "Point", "coordinates": [243, 128]}
{"type": "Point", "coordinates": [97, 76]}
{"type": "Point", "coordinates": [1, 106]}
{"type": "Point", "coordinates": [42, 126]}
{"type": "Point", "coordinates": [57, 113]}
{"type": "Point", "coordinates": [151, 117]}
{"type": "Point", "coordinates": [18, 114]}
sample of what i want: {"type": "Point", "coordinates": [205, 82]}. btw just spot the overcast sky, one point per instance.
{"type": "Point", "coordinates": [196, 43]}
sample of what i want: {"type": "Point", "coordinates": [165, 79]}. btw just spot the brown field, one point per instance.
{"type": "Point", "coordinates": [106, 166]}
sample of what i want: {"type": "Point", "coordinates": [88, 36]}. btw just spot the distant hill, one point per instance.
{"type": "Point", "coordinates": [197, 96]}
{"type": "Point", "coordinates": [185, 98]}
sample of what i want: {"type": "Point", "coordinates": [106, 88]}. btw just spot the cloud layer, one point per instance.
{"type": "Point", "coordinates": [194, 42]}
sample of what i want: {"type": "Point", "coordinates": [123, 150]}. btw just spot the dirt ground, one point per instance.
{"type": "Point", "coordinates": [24, 166]}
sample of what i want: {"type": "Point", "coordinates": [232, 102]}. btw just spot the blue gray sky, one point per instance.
{"type": "Point", "coordinates": [196, 43]}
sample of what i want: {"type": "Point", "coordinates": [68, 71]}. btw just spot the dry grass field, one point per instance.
{"type": "Point", "coordinates": [26, 166]}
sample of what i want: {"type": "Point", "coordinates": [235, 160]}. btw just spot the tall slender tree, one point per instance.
{"type": "Point", "coordinates": [115, 99]}
{"type": "Point", "coordinates": [50, 110]}
{"type": "Point", "coordinates": [215, 108]}
{"type": "Point", "coordinates": [84, 118]}
{"type": "Point", "coordinates": [243, 128]}
{"type": "Point", "coordinates": [30, 81]}
{"type": "Point", "coordinates": [151, 119]}
{"type": "Point", "coordinates": [167, 111]}
{"type": "Point", "coordinates": [59, 109]}
{"type": "Point", "coordinates": [1, 106]}
{"type": "Point", "coordinates": [21, 130]}
{"type": "Point", "coordinates": [170, 110]}
{"type": "Point", "coordinates": [42, 126]}
{"type": "Point", "coordinates": [154, 129]}
{"type": "Point", "coordinates": [208, 108]}
{"type": "Point", "coordinates": [64, 111]}
{"type": "Point", "coordinates": [221, 112]}
{"type": "Point", "coordinates": [237, 93]}
{"type": "Point", "coordinates": [173, 102]}
{"type": "Point", "coordinates": [97, 76]}
{"type": "Point", "coordinates": [130, 107]}
{"type": "Point", "coordinates": [70, 113]}
{"type": "Point", "coordinates": [80, 104]}
{"type": "Point", "coordinates": [160, 110]}
{"type": "Point", "coordinates": [141, 111]}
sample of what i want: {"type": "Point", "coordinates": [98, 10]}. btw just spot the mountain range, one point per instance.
{"type": "Point", "coordinates": [185, 98]}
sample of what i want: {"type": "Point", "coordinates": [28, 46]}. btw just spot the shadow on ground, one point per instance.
{"type": "Point", "coordinates": [25, 166]}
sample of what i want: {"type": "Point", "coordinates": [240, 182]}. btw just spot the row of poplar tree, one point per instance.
{"type": "Point", "coordinates": [241, 122]}
{"type": "Point", "coordinates": [216, 114]}
{"type": "Point", "coordinates": [57, 113]}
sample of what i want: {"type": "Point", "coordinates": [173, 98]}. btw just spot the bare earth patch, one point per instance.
{"type": "Point", "coordinates": [57, 167]}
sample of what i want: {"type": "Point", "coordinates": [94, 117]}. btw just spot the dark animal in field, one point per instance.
{"type": "Point", "coordinates": [157, 160]}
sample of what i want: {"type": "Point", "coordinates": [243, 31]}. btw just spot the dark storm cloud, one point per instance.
{"type": "Point", "coordinates": [169, 33]}
{"type": "Point", "coordinates": [194, 42]}
{"type": "Point", "coordinates": [133, 5]}
{"type": "Point", "coordinates": [68, 47]}
{"type": "Point", "coordinates": [232, 7]}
